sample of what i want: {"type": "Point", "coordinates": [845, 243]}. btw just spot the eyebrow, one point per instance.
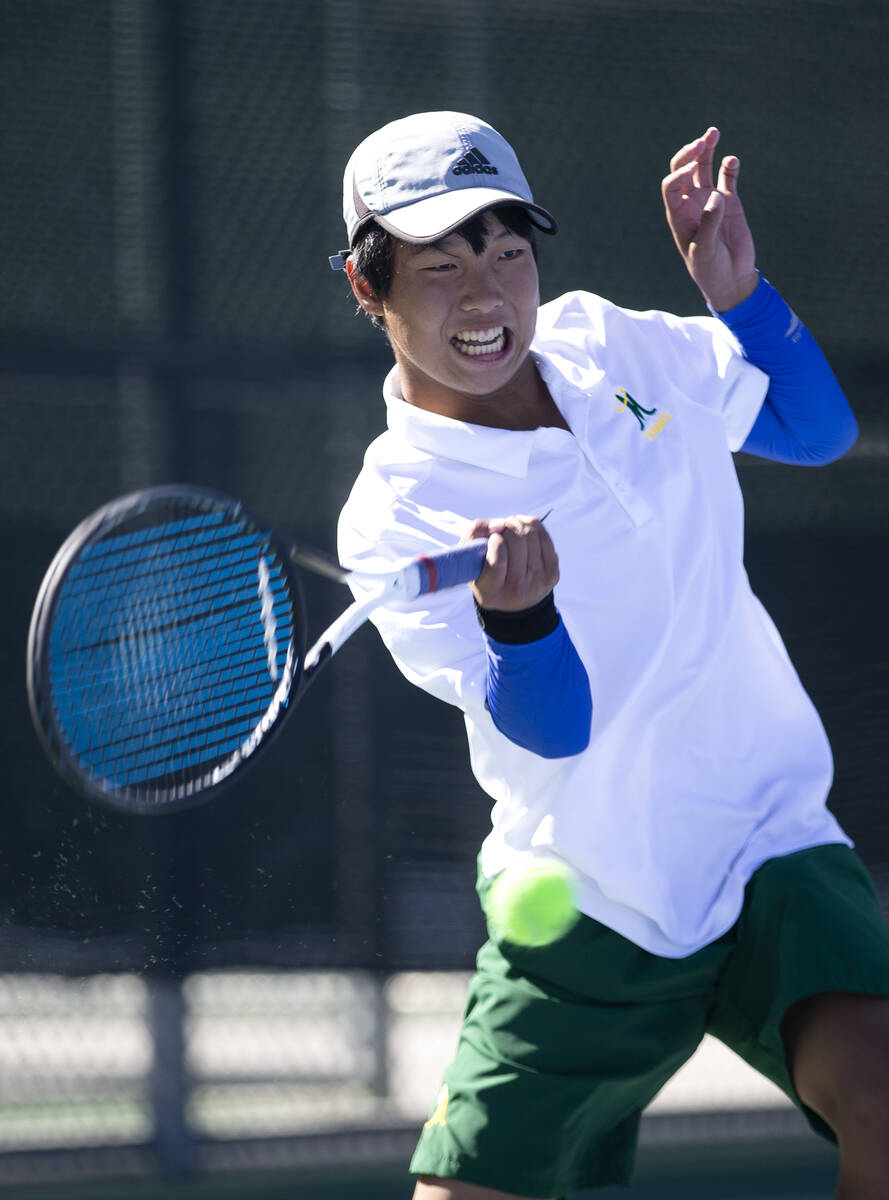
{"type": "Point", "coordinates": [416, 248]}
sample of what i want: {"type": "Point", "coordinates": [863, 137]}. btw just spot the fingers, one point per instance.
{"type": "Point", "coordinates": [678, 186]}
{"type": "Point", "coordinates": [711, 220]}
{"type": "Point", "coordinates": [693, 205]}
{"type": "Point", "coordinates": [478, 529]}
{"type": "Point", "coordinates": [521, 566]}
{"type": "Point", "coordinates": [700, 153]}
{"type": "Point", "coordinates": [682, 207]}
{"type": "Point", "coordinates": [729, 170]}
{"type": "Point", "coordinates": [708, 223]}
{"type": "Point", "coordinates": [691, 168]}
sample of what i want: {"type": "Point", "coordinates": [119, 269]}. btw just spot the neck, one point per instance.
{"type": "Point", "coordinates": [523, 403]}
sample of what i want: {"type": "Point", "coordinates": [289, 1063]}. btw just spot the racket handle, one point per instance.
{"type": "Point", "coordinates": [451, 567]}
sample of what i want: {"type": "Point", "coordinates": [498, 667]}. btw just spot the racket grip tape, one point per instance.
{"type": "Point", "coordinates": [450, 568]}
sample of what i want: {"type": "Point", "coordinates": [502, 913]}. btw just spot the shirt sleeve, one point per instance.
{"type": "Point", "coordinates": [435, 641]}
{"type": "Point", "coordinates": [698, 355]}
{"type": "Point", "coordinates": [535, 693]}
{"type": "Point", "coordinates": [806, 418]}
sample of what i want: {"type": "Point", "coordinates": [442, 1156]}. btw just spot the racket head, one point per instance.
{"type": "Point", "coordinates": [165, 648]}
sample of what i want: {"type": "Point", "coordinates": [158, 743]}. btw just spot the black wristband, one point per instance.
{"type": "Point", "coordinates": [527, 625]}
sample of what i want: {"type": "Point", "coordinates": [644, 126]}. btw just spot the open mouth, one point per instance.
{"type": "Point", "coordinates": [476, 343]}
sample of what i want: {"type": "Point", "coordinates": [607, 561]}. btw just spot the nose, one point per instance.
{"type": "Point", "coordinates": [482, 292]}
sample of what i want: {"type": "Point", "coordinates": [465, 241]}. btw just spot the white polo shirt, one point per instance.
{"type": "Point", "coordinates": [706, 756]}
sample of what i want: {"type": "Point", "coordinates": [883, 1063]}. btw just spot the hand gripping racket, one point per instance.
{"type": "Point", "coordinates": [167, 644]}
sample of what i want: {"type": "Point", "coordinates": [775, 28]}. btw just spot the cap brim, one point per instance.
{"type": "Point", "coordinates": [431, 219]}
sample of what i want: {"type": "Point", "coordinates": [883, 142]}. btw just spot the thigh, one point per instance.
{"type": "Point", "coordinates": [561, 1048]}
{"type": "Point", "coordinates": [811, 926]}
{"type": "Point", "coordinates": [838, 1057]}
{"type": "Point", "coordinates": [455, 1189]}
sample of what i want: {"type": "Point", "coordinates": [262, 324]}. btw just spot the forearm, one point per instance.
{"type": "Point", "coordinates": [537, 689]}
{"type": "Point", "coordinates": [805, 418]}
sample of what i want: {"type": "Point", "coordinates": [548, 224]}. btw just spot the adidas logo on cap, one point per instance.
{"type": "Point", "coordinates": [474, 162]}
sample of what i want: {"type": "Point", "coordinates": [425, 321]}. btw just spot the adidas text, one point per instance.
{"type": "Point", "coordinates": [473, 162]}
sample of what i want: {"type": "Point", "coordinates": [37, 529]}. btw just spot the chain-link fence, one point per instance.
{"type": "Point", "coordinates": [232, 1068]}
{"type": "Point", "coordinates": [169, 194]}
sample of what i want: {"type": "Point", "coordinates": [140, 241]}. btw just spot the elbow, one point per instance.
{"type": "Point", "coordinates": [558, 731]}
{"type": "Point", "coordinates": [571, 741]}
{"type": "Point", "coordinates": [808, 425]}
{"type": "Point", "coordinates": [573, 733]}
{"type": "Point", "coordinates": [843, 436]}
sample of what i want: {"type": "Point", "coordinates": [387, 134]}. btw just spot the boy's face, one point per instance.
{"type": "Point", "coordinates": [461, 324]}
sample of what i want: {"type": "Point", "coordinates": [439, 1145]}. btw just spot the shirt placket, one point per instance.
{"type": "Point", "coordinates": [603, 444]}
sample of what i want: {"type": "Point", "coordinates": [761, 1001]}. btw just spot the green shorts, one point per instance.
{"type": "Point", "coordinates": [562, 1047]}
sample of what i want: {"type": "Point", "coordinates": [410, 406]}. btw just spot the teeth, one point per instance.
{"type": "Point", "coordinates": [480, 341]}
{"type": "Point", "coordinates": [480, 335]}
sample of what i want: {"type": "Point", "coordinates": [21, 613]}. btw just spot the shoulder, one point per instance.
{"type": "Point", "coordinates": [580, 312]}
{"type": "Point", "coordinates": [385, 514]}
{"type": "Point", "coordinates": [585, 320]}
{"type": "Point", "coordinates": [586, 311]}
{"type": "Point", "coordinates": [393, 467]}
{"type": "Point", "coordinates": [390, 454]}
{"type": "Point", "coordinates": [391, 470]}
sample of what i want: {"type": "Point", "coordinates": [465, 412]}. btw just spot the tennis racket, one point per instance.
{"type": "Point", "coordinates": [168, 642]}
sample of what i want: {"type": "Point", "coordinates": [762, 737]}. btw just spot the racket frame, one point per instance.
{"type": "Point", "coordinates": [403, 583]}
{"type": "Point", "coordinates": [130, 799]}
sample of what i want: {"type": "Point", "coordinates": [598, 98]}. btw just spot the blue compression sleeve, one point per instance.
{"type": "Point", "coordinates": [538, 693]}
{"type": "Point", "coordinates": [805, 417]}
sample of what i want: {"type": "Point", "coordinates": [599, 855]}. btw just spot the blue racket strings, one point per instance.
{"type": "Point", "coordinates": [169, 646]}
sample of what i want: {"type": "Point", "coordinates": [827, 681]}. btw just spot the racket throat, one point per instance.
{"type": "Point", "coordinates": [319, 654]}
{"type": "Point", "coordinates": [338, 633]}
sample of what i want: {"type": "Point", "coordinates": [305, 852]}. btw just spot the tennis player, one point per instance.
{"type": "Point", "coordinates": [630, 707]}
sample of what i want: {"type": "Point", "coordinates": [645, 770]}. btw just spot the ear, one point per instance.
{"type": "Point", "coordinates": [362, 291]}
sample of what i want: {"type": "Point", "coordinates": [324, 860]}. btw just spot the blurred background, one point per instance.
{"type": "Point", "coordinates": [257, 996]}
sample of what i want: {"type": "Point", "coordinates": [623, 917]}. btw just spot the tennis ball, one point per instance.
{"type": "Point", "coordinates": [532, 904]}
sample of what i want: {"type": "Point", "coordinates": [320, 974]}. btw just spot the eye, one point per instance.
{"type": "Point", "coordinates": [440, 267]}
{"type": "Point", "coordinates": [510, 255]}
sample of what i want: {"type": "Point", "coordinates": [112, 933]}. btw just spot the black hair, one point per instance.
{"type": "Point", "coordinates": [374, 251]}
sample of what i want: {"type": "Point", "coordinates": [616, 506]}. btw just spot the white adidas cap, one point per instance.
{"type": "Point", "coordinates": [421, 177]}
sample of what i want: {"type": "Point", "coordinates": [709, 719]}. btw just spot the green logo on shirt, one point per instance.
{"type": "Point", "coordinates": [625, 400]}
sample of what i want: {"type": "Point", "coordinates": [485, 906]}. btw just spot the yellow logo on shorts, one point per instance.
{"type": "Point", "coordinates": [441, 1108]}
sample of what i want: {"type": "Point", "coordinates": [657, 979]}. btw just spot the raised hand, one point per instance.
{"type": "Point", "coordinates": [708, 224]}
{"type": "Point", "coordinates": [521, 566]}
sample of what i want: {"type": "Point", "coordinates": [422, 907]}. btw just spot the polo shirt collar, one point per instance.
{"type": "Point", "coordinates": [505, 450]}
